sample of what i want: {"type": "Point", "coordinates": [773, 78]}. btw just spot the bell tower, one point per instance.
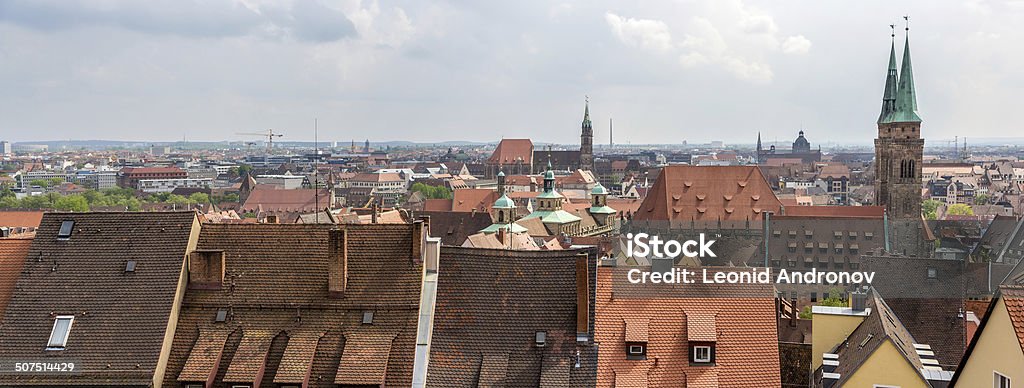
{"type": "Point", "coordinates": [899, 148]}
{"type": "Point", "coordinates": [587, 140]}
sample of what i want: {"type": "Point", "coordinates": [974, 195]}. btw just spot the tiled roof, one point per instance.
{"type": "Point", "coordinates": [743, 327]}
{"type": "Point", "coordinates": [469, 200]}
{"type": "Point", "coordinates": [835, 211]}
{"type": "Point", "coordinates": [377, 178]}
{"type": "Point", "coordinates": [13, 252]}
{"type": "Point", "coordinates": [20, 219]}
{"type": "Point", "coordinates": [707, 194]}
{"type": "Point", "coordinates": [879, 326]}
{"type": "Point", "coordinates": [282, 316]}
{"type": "Point", "coordinates": [120, 317]}
{"type": "Point", "coordinates": [1013, 297]}
{"type": "Point", "coordinates": [512, 151]}
{"type": "Point", "coordinates": [281, 200]}
{"type": "Point", "coordinates": [453, 228]}
{"type": "Point", "coordinates": [490, 305]}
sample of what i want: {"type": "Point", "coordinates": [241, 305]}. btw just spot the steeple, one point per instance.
{"type": "Point", "coordinates": [586, 114]}
{"type": "Point", "coordinates": [891, 79]}
{"type": "Point", "coordinates": [906, 96]}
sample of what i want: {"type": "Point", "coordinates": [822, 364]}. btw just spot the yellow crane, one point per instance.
{"type": "Point", "coordinates": [269, 134]}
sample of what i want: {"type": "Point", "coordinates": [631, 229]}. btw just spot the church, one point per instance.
{"type": "Point", "coordinates": [520, 157]}
{"type": "Point", "coordinates": [801, 150]}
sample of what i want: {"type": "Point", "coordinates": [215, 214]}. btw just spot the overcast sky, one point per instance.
{"type": "Point", "coordinates": [666, 71]}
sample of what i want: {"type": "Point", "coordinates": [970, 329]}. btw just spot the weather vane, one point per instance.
{"type": "Point", "coordinates": [907, 19]}
{"type": "Point", "coordinates": [893, 27]}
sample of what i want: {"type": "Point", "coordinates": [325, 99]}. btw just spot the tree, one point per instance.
{"type": "Point", "coordinates": [431, 192]}
{"type": "Point", "coordinates": [244, 169]}
{"type": "Point", "coordinates": [75, 203]}
{"type": "Point", "coordinates": [959, 210]}
{"type": "Point", "coordinates": [981, 199]}
{"type": "Point", "coordinates": [930, 208]}
{"type": "Point", "coordinates": [201, 198]}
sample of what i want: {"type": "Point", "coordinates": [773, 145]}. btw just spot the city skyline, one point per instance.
{"type": "Point", "coordinates": [445, 72]}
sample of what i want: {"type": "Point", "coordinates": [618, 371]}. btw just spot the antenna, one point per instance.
{"type": "Point", "coordinates": [316, 172]}
{"type": "Point", "coordinates": [611, 138]}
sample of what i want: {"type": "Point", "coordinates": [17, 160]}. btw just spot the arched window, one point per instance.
{"type": "Point", "coordinates": [501, 216]}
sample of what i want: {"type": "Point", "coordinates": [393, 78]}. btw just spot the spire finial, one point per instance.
{"type": "Point", "coordinates": [906, 19]}
{"type": "Point", "coordinates": [893, 28]}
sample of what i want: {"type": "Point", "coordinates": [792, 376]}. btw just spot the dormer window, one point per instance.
{"type": "Point", "coordinates": [59, 334]}
{"type": "Point", "coordinates": [702, 353]}
{"type": "Point", "coordinates": [636, 351]}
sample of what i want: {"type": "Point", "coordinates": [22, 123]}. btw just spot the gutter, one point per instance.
{"type": "Point", "coordinates": [425, 325]}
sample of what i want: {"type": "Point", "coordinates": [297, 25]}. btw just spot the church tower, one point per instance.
{"type": "Point", "coordinates": [899, 148]}
{"type": "Point", "coordinates": [587, 141]}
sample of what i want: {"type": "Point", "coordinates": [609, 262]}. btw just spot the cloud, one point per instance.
{"type": "Point", "coordinates": [796, 45]}
{"type": "Point", "coordinates": [646, 33]}
{"type": "Point", "coordinates": [300, 20]}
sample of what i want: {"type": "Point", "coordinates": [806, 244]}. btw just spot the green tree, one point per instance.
{"type": "Point", "coordinates": [431, 192]}
{"type": "Point", "coordinates": [930, 208]}
{"type": "Point", "coordinates": [959, 210]}
{"type": "Point", "coordinates": [981, 199]}
{"type": "Point", "coordinates": [40, 182]}
{"type": "Point", "coordinates": [176, 199]}
{"type": "Point", "coordinates": [202, 198]}
{"type": "Point", "coordinates": [76, 203]}
{"type": "Point", "coordinates": [244, 169]}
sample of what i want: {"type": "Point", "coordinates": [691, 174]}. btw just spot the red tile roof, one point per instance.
{"type": "Point", "coordinates": [13, 252]}
{"type": "Point", "coordinates": [707, 194]}
{"type": "Point", "coordinates": [835, 211]}
{"type": "Point", "coordinates": [280, 200]}
{"type": "Point", "coordinates": [743, 327]}
{"type": "Point", "coordinates": [1013, 297]}
{"type": "Point", "coordinates": [512, 151]}
{"type": "Point", "coordinates": [468, 200]}
{"type": "Point", "coordinates": [20, 219]}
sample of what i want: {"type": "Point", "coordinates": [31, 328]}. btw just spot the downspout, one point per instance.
{"type": "Point", "coordinates": [767, 232]}
{"type": "Point", "coordinates": [885, 222]}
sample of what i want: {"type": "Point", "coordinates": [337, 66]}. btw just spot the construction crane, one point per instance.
{"type": "Point", "coordinates": [269, 134]}
{"type": "Point", "coordinates": [248, 146]}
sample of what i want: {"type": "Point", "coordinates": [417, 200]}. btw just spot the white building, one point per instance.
{"type": "Point", "coordinates": [168, 185]}
{"type": "Point", "coordinates": [5, 148]}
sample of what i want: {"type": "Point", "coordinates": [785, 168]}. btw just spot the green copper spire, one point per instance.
{"type": "Point", "coordinates": [906, 96]}
{"type": "Point", "coordinates": [889, 96]}
{"type": "Point", "coordinates": [586, 114]}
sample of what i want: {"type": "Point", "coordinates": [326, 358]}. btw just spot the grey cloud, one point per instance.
{"type": "Point", "coordinates": [306, 20]}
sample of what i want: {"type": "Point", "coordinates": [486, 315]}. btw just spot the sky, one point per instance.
{"type": "Point", "coordinates": [426, 71]}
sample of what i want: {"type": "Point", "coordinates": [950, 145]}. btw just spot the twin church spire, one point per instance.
{"type": "Point", "coordinates": [899, 100]}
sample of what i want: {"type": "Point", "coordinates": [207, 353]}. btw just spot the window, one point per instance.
{"type": "Point", "coordinates": [1000, 380]}
{"type": "Point", "coordinates": [932, 273]}
{"type": "Point", "coordinates": [367, 317]}
{"type": "Point", "coordinates": [65, 229]}
{"type": "Point", "coordinates": [702, 354]}
{"type": "Point", "coordinates": [59, 335]}
{"type": "Point", "coordinates": [814, 297]}
{"type": "Point", "coordinates": [636, 350]}
{"type": "Point", "coordinates": [540, 339]}
{"type": "Point", "coordinates": [195, 385]}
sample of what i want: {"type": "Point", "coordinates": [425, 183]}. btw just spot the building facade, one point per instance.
{"type": "Point", "coordinates": [899, 148]}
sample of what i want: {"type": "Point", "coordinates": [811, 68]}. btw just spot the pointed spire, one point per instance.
{"type": "Point", "coordinates": [891, 80]}
{"type": "Point", "coordinates": [758, 141]}
{"type": "Point", "coordinates": [906, 95]}
{"type": "Point", "coordinates": [586, 113]}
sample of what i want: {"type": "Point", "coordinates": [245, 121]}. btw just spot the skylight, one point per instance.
{"type": "Point", "coordinates": [59, 335]}
{"type": "Point", "coordinates": [65, 229]}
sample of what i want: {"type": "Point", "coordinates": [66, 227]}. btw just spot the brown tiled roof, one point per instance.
{"type": "Point", "coordinates": [493, 370]}
{"type": "Point", "coordinates": [20, 219]}
{"type": "Point", "coordinates": [636, 329]}
{"type": "Point", "coordinates": [120, 317]}
{"type": "Point", "coordinates": [298, 357]}
{"type": "Point", "coordinates": [437, 205]}
{"type": "Point", "coordinates": [1013, 297]}
{"type": "Point", "coordinates": [511, 151]}
{"type": "Point", "coordinates": [205, 356]}
{"type": "Point", "coordinates": [835, 211]}
{"type": "Point", "coordinates": [250, 357]}
{"type": "Point", "coordinates": [746, 347]}
{"type": "Point", "coordinates": [453, 228]}
{"type": "Point", "coordinates": [266, 291]}
{"type": "Point", "coordinates": [707, 194]}
{"type": "Point", "coordinates": [365, 359]}
{"type": "Point", "coordinates": [555, 372]}
{"type": "Point", "coordinates": [13, 252]}
{"type": "Point", "coordinates": [493, 302]}
{"type": "Point", "coordinates": [281, 200]}
{"type": "Point", "coordinates": [468, 200]}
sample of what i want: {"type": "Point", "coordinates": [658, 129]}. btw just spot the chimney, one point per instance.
{"type": "Point", "coordinates": [582, 298]}
{"type": "Point", "coordinates": [373, 213]}
{"type": "Point", "coordinates": [337, 261]}
{"type": "Point", "coordinates": [419, 235]}
{"type": "Point", "coordinates": [432, 254]}
{"type": "Point", "coordinates": [858, 301]}
{"type": "Point", "coordinates": [206, 270]}
{"type": "Point", "coordinates": [794, 313]}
